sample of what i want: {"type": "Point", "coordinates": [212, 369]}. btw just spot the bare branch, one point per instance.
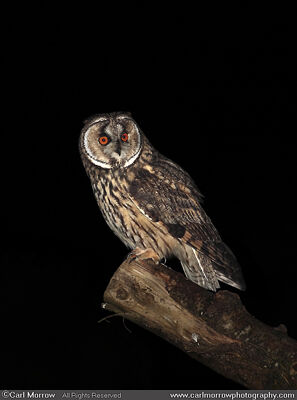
{"type": "Point", "coordinates": [213, 328]}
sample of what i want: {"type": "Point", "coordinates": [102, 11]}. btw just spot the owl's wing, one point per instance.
{"type": "Point", "coordinates": [165, 193]}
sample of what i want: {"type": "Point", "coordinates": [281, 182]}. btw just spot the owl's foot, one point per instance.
{"type": "Point", "coordinates": [144, 254]}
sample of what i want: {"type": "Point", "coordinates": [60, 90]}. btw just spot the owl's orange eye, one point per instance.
{"type": "Point", "coordinates": [125, 137]}
{"type": "Point", "coordinates": [103, 140]}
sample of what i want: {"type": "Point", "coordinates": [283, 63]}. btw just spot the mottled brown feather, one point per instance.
{"type": "Point", "coordinates": [173, 199]}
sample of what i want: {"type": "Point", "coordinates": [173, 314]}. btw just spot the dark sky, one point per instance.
{"type": "Point", "coordinates": [216, 93]}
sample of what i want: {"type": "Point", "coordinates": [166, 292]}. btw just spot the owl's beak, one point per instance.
{"type": "Point", "coordinates": [118, 148]}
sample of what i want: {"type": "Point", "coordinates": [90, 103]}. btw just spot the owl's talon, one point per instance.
{"type": "Point", "coordinates": [143, 254]}
{"type": "Point", "coordinates": [131, 256]}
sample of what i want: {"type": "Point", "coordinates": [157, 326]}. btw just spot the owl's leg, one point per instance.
{"type": "Point", "coordinates": [144, 254]}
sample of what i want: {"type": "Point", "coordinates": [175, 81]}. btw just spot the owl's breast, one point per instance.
{"type": "Point", "coordinates": [126, 220]}
{"type": "Point", "coordinates": [116, 207]}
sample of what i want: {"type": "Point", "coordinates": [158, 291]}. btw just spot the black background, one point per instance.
{"type": "Point", "coordinates": [213, 90]}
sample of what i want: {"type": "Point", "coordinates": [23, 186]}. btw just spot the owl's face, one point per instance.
{"type": "Point", "coordinates": [111, 140]}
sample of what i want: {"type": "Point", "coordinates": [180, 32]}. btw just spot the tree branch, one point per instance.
{"type": "Point", "coordinates": [213, 328]}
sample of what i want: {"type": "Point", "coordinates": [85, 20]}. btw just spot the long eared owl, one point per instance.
{"type": "Point", "coordinates": [151, 203]}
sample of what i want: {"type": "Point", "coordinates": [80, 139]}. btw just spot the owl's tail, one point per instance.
{"type": "Point", "coordinates": [198, 268]}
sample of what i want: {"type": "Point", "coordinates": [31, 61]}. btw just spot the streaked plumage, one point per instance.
{"type": "Point", "coordinates": [151, 203]}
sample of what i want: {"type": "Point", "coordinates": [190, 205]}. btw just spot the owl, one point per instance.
{"type": "Point", "coordinates": [151, 203]}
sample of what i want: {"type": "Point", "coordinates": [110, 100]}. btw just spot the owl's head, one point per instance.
{"type": "Point", "coordinates": [111, 140]}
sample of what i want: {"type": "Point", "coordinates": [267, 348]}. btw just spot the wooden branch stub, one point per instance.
{"type": "Point", "coordinates": [213, 328]}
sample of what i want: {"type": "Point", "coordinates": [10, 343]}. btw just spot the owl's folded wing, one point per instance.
{"type": "Point", "coordinates": [166, 194]}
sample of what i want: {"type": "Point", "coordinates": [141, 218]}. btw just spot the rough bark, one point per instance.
{"type": "Point", "coordinates": [213, 328]}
